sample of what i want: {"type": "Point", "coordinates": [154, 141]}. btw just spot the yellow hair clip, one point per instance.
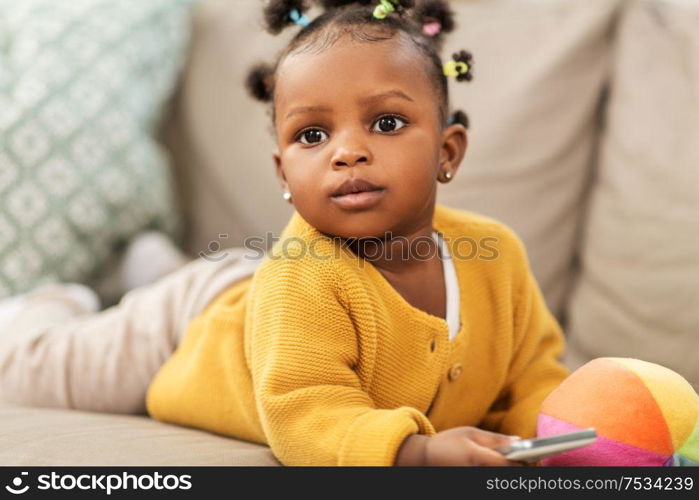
{"type": "Point", "coordinates": [460, 66]}
{"type": "Point", "coordinates": [455, 68]}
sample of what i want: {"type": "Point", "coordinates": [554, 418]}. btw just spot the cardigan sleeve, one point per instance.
{"type": "Point", "coordinates": [303, 351]}
{"type": "Point", "coordinates": [535, 368]}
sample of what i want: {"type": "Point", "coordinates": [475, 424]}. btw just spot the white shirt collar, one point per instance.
{"type": "Point", "coordinates": [452, 286]}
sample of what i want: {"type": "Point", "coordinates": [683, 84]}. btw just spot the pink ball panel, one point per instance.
{"type": "Point", "coordinates": [603, 452]}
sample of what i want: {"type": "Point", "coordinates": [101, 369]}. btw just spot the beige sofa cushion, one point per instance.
{"type": "Point", "coordinates": [638, 295]}
{"type": "Point", "coordinates": [540, 67]}
{"type": "Point", "coordinates": [43, 436]}
{"type": "Point", "coordinates": [220, 138]}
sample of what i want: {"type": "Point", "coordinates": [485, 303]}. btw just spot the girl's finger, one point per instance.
{"type": "Point", "coordinates": [491, 458]}
{"type": "Point", "coordinates": [490, 439]}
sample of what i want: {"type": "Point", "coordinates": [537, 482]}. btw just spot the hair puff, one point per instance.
{"type": "Point", "coordinates": [333, 4]}
{"type": "Point", "coordinates": [427, 11]}
{"type": "Point", "coordinates": [464, 57]}
{"type": "Point", "coordinates": [459, 116]}
{"type": "Point", "coordinates": [276, 14]}
{"type": "Point", "coordinates": [400, 5]}
{"type": "Point", "coordinates": [259, 81]}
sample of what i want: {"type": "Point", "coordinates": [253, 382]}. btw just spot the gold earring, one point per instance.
{"type": "Point", "coordinates": [287, 196]}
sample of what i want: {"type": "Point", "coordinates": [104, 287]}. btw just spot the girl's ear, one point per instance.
{"type": "Point", "coordinates": [279, 170]}
{"type": "Point", "coordinates": [454, 143]}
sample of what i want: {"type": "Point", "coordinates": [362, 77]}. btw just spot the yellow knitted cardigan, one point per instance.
{"type": "Point", "coordinates": [319, 357]}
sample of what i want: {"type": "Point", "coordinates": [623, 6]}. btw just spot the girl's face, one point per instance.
{"type": "Point", "coordinates": [362, 117]}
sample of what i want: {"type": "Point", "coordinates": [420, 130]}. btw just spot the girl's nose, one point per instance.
{"type": "Point", "coordinates": [349, 156]}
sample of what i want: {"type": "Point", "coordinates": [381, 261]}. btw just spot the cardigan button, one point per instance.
{"type": "Point", "coordinates": [433, 345]}
{"type": "Point", "coordinates": [455, 371]}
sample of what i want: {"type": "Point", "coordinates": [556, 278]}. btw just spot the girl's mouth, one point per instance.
{"type": "Point", "coordinates": [359, 201]}
{"type": "Point", "coordinates": [357, 194]}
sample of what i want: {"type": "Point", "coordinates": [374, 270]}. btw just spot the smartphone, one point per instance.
{"type": "Point", "coordinates": [533, 450]}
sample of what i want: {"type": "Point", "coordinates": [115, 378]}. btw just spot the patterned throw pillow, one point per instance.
{"type": "Point", "coordinates": [82, 83]}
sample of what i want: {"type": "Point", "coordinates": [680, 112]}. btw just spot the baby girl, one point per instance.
{"type": "Point", "coordinates": [382, 328]}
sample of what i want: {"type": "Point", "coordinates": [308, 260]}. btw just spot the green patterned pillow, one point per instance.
{"type": "Point", "coordinates": [82, 83]}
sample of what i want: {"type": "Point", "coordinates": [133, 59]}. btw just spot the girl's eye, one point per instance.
{"type": "Point", "coordinates": [312, 136]}
{"type": "Point", "coordinates": [388, 123]}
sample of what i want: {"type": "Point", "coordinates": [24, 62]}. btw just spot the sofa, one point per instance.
{"type": "Point", "coordinates": [584, 138]}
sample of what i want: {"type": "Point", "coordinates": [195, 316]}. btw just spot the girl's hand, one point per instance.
{"type": "Point", "coordinates": [457, 446]}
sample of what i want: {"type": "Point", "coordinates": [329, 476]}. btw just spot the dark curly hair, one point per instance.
{"type": "Point", "coordinates": [356, 18]}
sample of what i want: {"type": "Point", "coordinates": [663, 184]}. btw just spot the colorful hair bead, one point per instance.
{"type": "Point", "coordinates": [431, 26]}
{"type": "Point", "coordinates": [298, 17]}
{"type": "Point", "coordinates": [384, 8]}
{"type": "Point", "coordinates": [455, 68]}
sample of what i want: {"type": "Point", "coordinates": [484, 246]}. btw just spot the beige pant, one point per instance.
{"type": "Point", "coordinates": [52, 356]}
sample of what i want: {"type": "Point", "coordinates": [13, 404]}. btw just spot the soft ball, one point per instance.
{"type": "Point", "coordinates": [644, 414]}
